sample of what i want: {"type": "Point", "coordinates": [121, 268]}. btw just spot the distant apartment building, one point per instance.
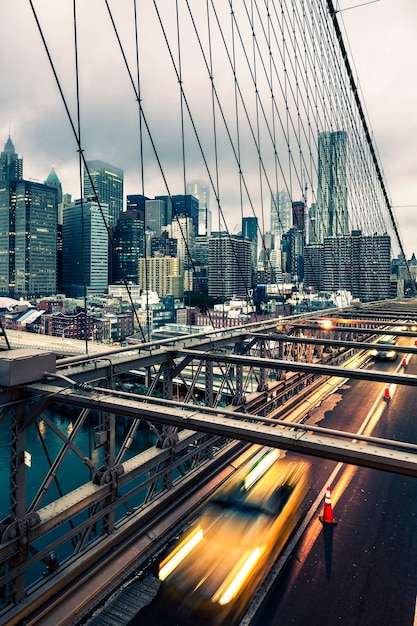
{"type": "Point", "coordinates": [313, 266]}
{"type": "Point", "coordinates": [230, 267]}
{"type": "Point", "coordinates": [164, 275]}
{"type": "Point", "coordinates": [163, 245]}
{"type": "Point", "coordinates": [357, 263]}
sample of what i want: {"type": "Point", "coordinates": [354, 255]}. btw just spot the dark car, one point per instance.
{"type": "Point", "coordinates": [384, 353]}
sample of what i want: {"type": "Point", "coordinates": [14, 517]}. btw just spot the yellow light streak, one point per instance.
{"type": "Point", "coordinates": [174, 559]}
{"type": "Point", "coordinates": [260, 469]}
{"type": "Point", "coordinates": [242, 575]}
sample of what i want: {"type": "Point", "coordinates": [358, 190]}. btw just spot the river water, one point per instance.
{"type": "Point", "coordinates": [43, 446]}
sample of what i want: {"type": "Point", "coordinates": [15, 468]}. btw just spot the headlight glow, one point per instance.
{"type": "Point", "coordinates": [175, 558]}
{"type": "Point", "coordinates": [240, 578]}
{"type": "Point", "coordinates": [260, 469]}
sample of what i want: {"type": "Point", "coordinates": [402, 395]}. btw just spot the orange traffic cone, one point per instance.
{"type": "Point", "coordinates": [387, 393]}
{"type": "Point", "coordinates": [327, 517]}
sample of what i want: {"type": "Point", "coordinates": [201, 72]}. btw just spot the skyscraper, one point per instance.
{"type": "Point", "coordinates": [281, 211]}
{"type": "Point", "coordinates": [298, 215]}
{"type": "Point", "coordinates": [230, 267]}
{"type": "Point", "coordinates": [186, 206]}
{"type": "Point", "coordinates": [281, 214]}
{"type": "Point", "coordinates": [136, 202]}
{"type": "Point", "coordinates": [155, 215]}
{"type": "Point", "coordinates": [11, 165]}
{"type": "Point", "coordinates": [165, 275]}
{"type": "Point", "coordinates": [129, 246]}
{"type": "Point", "coordinates": [84, 249]}
{"type": "Point", "coordinates": [250, 233]}
{"type": "Point", "coordinates": [201, 191]}
{"type": "Point", "coordinates": [108, 187]}
{"type": "Point", "coordinates": [359, 263]}
{"type": "Point", "coordinates": [182, 229]}
{"type": "Point", "coordinates": [332, 212]}
{"type": "Point", "coordinates": [36, 220]}
{"type": "Point", "coordinates": [28, 231]}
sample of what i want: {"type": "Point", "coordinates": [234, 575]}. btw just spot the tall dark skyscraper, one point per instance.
{"type": "Point", "coordinates": [129, 246]}
{"type": "Point", "coordinates": [136, 202]}
{"type": "Point", "coordinates": [298, 215]}
{"type": "Point", "coordinates": [156, 214]}
{"type": "Point", "coordinates": [11, 165]}
{"type": "Point", "coordinates": [186, 206]}
{"type": "Point", "coordinates": [108, 187]}
{"type": "Point", "coordinates": [28, 231]}
{"type": "Point", "coordinates": [250, 233]}
{"type": "Point", "coordinates": [28, 239]}
{"type": "Point", "coordinates": [332, 212]}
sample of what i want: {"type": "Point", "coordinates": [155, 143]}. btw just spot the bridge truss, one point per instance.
{"type": "Point", "coordinates": [197, 397]}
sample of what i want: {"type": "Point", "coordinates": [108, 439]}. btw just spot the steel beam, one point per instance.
{"type": "Point", "coordinates": [318, 443]}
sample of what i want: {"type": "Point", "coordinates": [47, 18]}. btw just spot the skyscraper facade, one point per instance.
{"type": "Point", "coordinates": [332, 211]}
{"type": "Point", "coordinates": [28, 231]}
{"type": "Point", "coordinates": [165, 275]}
{"type": "Point", "coordinates": [250, 233]}
{"type": "Point", "coordinates": [182, 229]}
{"type": "Point", "coordinates": [230, 267]}
{"type": "Point", "coordinates": [358, 263]}
{"type": "Point", "coordinates": [84, 249]}
{"type": "Point", "coordinates": [11, 165]}
{"type": "Point", "coordinates": [281, 212]}
{"type": "Point", "coordinates": [129, 246]}
{"type": "Point", "coordinates": [35, 240]}
{"type": "Point", "coordinates": [201, 191]}
{"type": "Point", "coordinates": [298, 215]}
{"type": "Point", "coordinates": [136, 202]}
{"type": "Point", "coordinates": [155, 216]}
{"type": "Point", "coordinates": [186, 206]}
{"type": "Point", "coordinates": [104, 183]}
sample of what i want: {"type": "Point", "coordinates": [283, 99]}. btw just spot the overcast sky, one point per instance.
{"type": "Point", "coordinates": [380, 36]}
{"type": "Point", "coordinates": [383, 43]}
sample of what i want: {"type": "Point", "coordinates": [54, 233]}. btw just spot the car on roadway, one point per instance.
{"type": "Point", "coordinates": [382, 351]}
{"type": "Point", "coordinates": [216, 566]}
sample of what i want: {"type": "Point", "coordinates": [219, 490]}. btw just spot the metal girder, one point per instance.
{"type": "Point", "coordinates": [320, 369]}
{"type": "Point", "coordinates": [356, 329]}
{"type": "Point", "coordinates": [370, 454]}
{"type": "Point", "coordinates": [358, 345]}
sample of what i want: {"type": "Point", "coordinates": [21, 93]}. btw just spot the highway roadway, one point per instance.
{"type": "Point", "coordinates": [363, 570]}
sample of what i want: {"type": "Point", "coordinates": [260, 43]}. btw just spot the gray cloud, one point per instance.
{"type": "Point", "coordinates": [383, 45]}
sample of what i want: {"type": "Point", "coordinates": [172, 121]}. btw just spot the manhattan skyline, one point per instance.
{"type": "Point", "coordinates": [41, 134]}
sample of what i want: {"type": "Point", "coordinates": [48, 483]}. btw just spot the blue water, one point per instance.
{"type": "Point", "coordinates": [44, 445]}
